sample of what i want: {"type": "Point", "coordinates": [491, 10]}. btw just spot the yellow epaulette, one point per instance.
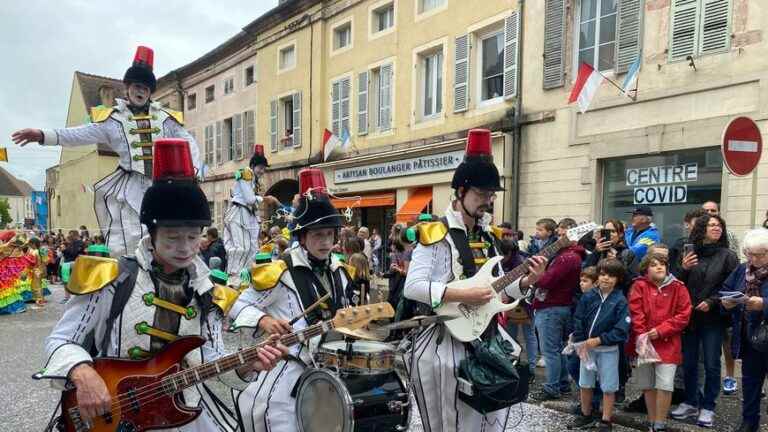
{"type": "Point", "coordinates": [266, 276]}
{"type": "Point", "coordinates": [267, 247]}
{"type": "Point", "coordinates": [497, 232]}
{"type": "Point", "coordinates": [91, 274]}
{"type": "Point", "coordinates": [100, 113]}
{"type": "Point", "coordinates": [350, 270]}
{"type": "Point", "coordinates": [224, 297]}
{"type": "Point", "coordinates": [431, 232]}
{"type": "Point", "coordinates": [177, 115]}
{"type": "Point", "coordinates": [246, 174]}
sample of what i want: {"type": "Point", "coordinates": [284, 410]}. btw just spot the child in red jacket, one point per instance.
{"type": "Point", "coordinates": [659, 306]}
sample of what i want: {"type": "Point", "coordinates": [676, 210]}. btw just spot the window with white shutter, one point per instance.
{"type": "Point", "coordinates": [297, 119]}
{"type": "Point", "coordinates": [250, 132]}
{"type": "Point", "coordinates": [209, 146]}
{"type": "Point", "coordinates": [273, 125]}
{"type": "Point", "coordinates": [346, 89]}
{"type": "Point", "coordinates": [385, 97]}
{"type": "Point", "coordinates": [554, 44]}
{"type": "Point", "coordinates": [237, 126]}
{"type": "Point", "coordinates": [699, 27]}
{"type": "Point", "coordinates": [335, 107]}
{"type": "Point", "coordinates": [362, 103]}
{"type": "Point", "coordinates": [629, 34]}
{"type": "Point", "coordinates": [461, 75]}
{"type": "Point", "coordinates": [511, 37]}
{"type": "Point", "coordinates": [219, 144]}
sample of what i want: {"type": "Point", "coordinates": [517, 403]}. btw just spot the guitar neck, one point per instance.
{"type": "Point", "coordinates": [521, 270]}
{"type": "Point", "coordinates": [188, 377]}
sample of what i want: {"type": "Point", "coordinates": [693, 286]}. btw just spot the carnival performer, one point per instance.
{"type": "Point", "coordinates": [448, 250]}
{"type": "Point", "coordinates": [15, 265]}
{"type": "Point", "coordinates": [282, 290]}
{"type": "Point", "coordinates": [242, 222]}
{"type": "Point", "coordinates": [130, 129]}
{"type": "Point", "coordinates": [163, 292]}
{"type": "Point", "coordinates": [38, 258]}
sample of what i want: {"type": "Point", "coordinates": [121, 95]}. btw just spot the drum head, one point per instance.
{"type": "Point", "coordinates": [323, 403]}
{"type": "Point", "coordinates": [360, 346]}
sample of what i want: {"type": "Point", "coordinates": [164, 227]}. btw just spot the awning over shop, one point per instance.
{"type": "Point", "coordinates": [416, 203]}
{"type": "Point", "coordinates": [381, 199]}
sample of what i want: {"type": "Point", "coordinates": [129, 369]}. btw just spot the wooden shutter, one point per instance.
{"type": "Point", "coordinates": [715, 28]}
{"type": "Point", "coordinates": [629, 34]}
{"type": "Point", "coordinates": [683, 35]}
{"type": "Point", "coordinates": [297, 119]}
{"type": "Point", "coordinates": [461, 75]}
{"type": "Point", "coordinates": [554, 44]}
{"type": "Point", "coordinates": [219, 144]}
{"type": "Point", "coordinates": [273, 125]}
{"type": "Point", "coordinates": [237, 126]}
{"type": "Point", "coordinates": [346, 89]}
{"type": "Point", "coordinates": [335, 107]}
{"type": "Point", "coordinates": [362, 103]}
{"type": "Point", "coordinates": [511, 37]}
{"type": "Point", "coordinates": [250, 132]}
{"type": "Point", "coordinates": [385, 97]}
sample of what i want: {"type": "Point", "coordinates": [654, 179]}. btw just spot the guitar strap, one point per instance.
{"type": "Point", "coordinates": [306, 280]}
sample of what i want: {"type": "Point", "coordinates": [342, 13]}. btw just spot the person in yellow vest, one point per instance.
{"type": "Point", "coordinates": [130, 129]}
{"type": "Point", "coordinates": [37, 272]}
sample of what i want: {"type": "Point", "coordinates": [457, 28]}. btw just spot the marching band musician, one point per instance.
{"type": "Point", "coordinates": [281, 291]}
{"type": "Point", "coordinates": [242, 222]}
{"type": "Point", "coordinates": [449, 250]}
{"type": "Point", "coordinates": [160, 294]}
{"type": "Point", "coordinates": [130, 129]}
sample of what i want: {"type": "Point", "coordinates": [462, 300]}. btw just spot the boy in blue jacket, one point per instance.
{"type": "Point", "coordinates": [601, 321]}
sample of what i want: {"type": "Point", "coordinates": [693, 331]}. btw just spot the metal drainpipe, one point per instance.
{"type": "Point", "coordinates": [517, 119]}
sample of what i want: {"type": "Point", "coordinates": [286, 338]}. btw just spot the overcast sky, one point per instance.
{"type": "Point", "coordinates": [42, 44]}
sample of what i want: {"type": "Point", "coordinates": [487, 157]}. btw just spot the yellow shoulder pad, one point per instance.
{"type": "Point", "coordinates": [177, 115]}
{"type": "Point", "coordinates": [91, 274]}
{"type": "Point", "coordinates": [497, 232]}
{"type": "Point", "coordinates": [224, 297]}
{"type": "Point", "coordinates": [350, 270]}
{"type": "Point", "coordinates": [266, 276]}
{"type": "Point", "coordinates": [267, 247]}
{"type": "Point", "coordinates": [100, 113]}
{"type": "Point", "coordinates": [431, 232]}
{"type": "Point", "coordinates": [247, 174]}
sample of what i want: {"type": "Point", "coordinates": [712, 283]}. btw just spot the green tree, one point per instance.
{"type": "Point", "coordinates": [5, 212]}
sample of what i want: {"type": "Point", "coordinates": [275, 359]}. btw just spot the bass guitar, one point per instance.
{"type": "Point", "coordinates": [471, 321]}
{"type": "Point", "coordinates": [146, 393]}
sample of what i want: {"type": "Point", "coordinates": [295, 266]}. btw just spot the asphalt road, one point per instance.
{"type": "Point", "coordinates": [27, 404]}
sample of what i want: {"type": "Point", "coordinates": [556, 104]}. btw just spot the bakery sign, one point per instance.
{"type": "Point", "coordinates": [398, 168]}
{"type": "Point", "coordinates": [665, 184]}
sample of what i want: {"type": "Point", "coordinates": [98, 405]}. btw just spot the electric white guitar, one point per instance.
{"type": "Point", "coordinates": [473, 320]}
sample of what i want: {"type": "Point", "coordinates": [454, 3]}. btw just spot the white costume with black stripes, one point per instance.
{"type": "Point", "coordinates": [434, 366]}
{"type": "Point", "coordinates": [267, 405]}
{"type": "Point", "coordinates": [117, 197]}
{"type": "Point", "coordinates": [242, 224]}
{"type": "Point", "coordinates": [88, 313]}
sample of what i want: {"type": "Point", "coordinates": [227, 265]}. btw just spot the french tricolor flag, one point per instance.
{"type": "Point", "coordinates": [586, 86]}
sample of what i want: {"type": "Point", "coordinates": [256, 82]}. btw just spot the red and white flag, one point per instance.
{"type": "Point", "coordinates": [331, 143]}
{"type": "Point", "coordinates": [586, 86]}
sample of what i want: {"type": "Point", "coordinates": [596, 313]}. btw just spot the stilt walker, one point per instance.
{"type": "Point", "coordinates": [242, 222]}
{"type": "Point", "coordinates": [284, 289]}
{"type": "Point", "coordinates": [448, 250]}
{"type": "Point", "coordinates": [130, 129]}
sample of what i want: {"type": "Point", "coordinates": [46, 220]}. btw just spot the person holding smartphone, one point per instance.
{"type": "Point", "coordinates": [610, 244]}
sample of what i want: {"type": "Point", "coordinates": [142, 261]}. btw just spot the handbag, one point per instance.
{"type": "Point", "coordinates": [497, 380]}
{"type": "Point", "coordinates": [759, 338]}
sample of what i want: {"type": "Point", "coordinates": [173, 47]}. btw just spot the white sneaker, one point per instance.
{"type": "Point", "coordinates": [541, 363]}
{"type": "Point", "coordinates": [684, 411]}
{"type": "Point", "coordinates": [706, 418]}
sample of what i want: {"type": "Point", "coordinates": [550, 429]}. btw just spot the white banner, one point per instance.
{"type": "Point", "coordinates": [670, 194]}
{"type": "Point", "coordinates": [399, 168]}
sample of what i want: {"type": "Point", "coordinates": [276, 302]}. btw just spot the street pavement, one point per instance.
{"type": "Point", "coordinates": [27, 404]}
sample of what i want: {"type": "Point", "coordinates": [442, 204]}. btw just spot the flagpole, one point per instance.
{"type": "Point", "coordinates": [615, 85]}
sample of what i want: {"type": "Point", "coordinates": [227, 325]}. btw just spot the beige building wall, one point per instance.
{"type": "Point", "coordinates": [677, 108]}
{"type": "Point", "coordinates": [77, 114]}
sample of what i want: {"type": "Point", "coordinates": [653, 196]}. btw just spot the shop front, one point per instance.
{"type": "Point", "coordinates": [395, 186]}
{"type": "Point", "coordinates": [670, 183]}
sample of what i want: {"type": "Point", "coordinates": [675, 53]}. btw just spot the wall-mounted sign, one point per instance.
{"type": "Point", "coordinates": [661, 184]}
{"type": "Point", "coordinates": [399, 168]}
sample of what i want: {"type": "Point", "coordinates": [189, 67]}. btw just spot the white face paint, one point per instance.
{"type": "Point", "coordinates": [176, 247]}
{"type": "Point", "coordinates": [138, 94]}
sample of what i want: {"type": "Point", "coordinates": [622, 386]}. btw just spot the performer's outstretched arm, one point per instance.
{"type": "Point", "coordinates": [91, 133]}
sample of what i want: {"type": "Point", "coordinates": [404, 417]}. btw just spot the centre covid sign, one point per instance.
{"type": "Point", "coordinates": [665, 184]}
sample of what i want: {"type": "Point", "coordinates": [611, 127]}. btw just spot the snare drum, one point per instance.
{"type": "Point", "coordinates": [364, 357]}
{"type": "Point", "coordinates": [327, 401]}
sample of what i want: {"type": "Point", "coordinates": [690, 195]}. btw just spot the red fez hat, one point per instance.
{"type": "Point", "coordinates": [311, 179]}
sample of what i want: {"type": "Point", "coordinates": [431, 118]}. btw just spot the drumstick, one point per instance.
{"type": "Point", "coordinates": [312, 307]}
